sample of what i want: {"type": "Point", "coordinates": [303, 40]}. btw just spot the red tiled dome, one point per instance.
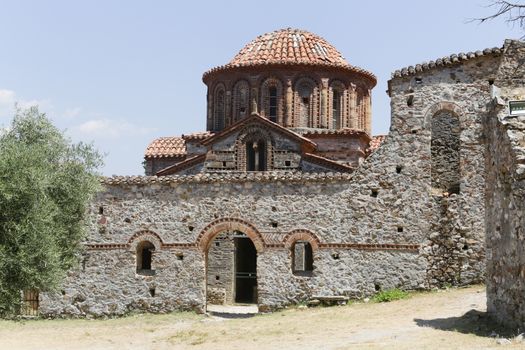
{"type": "Point", "coordinates": [289, 46]}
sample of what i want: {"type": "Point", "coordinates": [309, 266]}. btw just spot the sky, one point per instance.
{"type": "Point", "coordinates": [122, 73]}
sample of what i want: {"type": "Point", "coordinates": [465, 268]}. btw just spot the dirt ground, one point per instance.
{"type": "Point", "coordinates": [451, 319]}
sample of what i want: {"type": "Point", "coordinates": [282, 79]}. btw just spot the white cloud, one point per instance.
{"type": "Point", "coordinates": [8, 98]}
{"type": "Point", "coordinates": [108, 128]}
{"type": "Point", "coordinates": [71, 113]}
{"type": "Point", "coordinates": [7, 103]}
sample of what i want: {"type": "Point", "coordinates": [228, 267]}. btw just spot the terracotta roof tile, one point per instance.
{"type": "Point", "coordinates": [201, 135]}
{"type": "Point", "coordinates": [290, 46]}
{"type": "Point", "coordinates": [445, 61]}
{"type": "Point", "coordinates": [164, 147]}
{"type": "Point", "coordinates": [332, 132]}
{"type": "Point", "coordinates": [173, 146]}
{"type": "Point", "coordinates": [263, 176]}
{"type": "Point", "coordinates": [376, 141]}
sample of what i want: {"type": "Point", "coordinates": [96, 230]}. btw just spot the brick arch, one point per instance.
{"type": "Point", "coordinates": [301, 235]}
{"type": "Point", "coordinates": [444, 106]}
{"type": "Point", "coordinates": [266, 84]}
{"type": "Point", "coordinates": [215, 227]}
{"type": "Point", "coordinates": [145, 235]}
{"type": "Point", "coordinates": [251, 133]}
{"type": "Point", "coordinates": [311, 119]}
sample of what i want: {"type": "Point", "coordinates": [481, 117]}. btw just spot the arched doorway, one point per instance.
{"type": "Point", "coordinates": [231, 273]}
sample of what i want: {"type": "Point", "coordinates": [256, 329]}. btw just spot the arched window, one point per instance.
{"type": "Point", "coordinates": [145, 257]}
{"type": "Point", "coordinates": [241, 98]}
{"type": "Point", "coordinates": [304, 103]}
{"type": "Point", "coordinates": [271, 99]}
{"type": "Point", "coordinates": [360, 108]}
{"type": "Point", "coordinates": [336, 109]}
{"type": "Point", "coordinates": [302, 258]}
{"type": "Point", "coordinates": [219, 109]}
{"type": "Point", "coordinates": [256, 155]}
{"type": "Point", "coordinates": [444, 150]}
{"type": "Point", "coordinates": [272, 114]}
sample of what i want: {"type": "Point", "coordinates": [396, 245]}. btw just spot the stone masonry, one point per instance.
{"type": "Point", "coordinates": [410, 215]}
{"type": "Point", "coordinates": [505, 193]}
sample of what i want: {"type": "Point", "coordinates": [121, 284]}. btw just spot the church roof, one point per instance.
{"type": "Point", "coordinates": [290, 46]}
{"type": "Point", "coordinates": [165, 147]}
{"type": "Point", "coordinates": [173, 146]}
{"type": "Point", "coordinates": [255, 117]}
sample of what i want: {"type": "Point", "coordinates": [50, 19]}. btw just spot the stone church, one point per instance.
{"type": "Point", "coordinates": [287, 196]}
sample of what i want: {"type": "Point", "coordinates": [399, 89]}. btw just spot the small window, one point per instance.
{"type": "Point", "coordinates": [302, 258]}
{"type": "Point", "coordinates": [336, 110]}
{"type": "Point", "coordinates": [273, 103]}
{"type": "Point", "coordinates": [144, 258]}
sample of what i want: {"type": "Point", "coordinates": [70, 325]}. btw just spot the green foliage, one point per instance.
{"type": "Point", "coordinates": [390, 295]}
{"type": "Point", "coordinates": [46, 183]}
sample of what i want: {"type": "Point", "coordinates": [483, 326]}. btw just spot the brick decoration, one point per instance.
{"type": "Point", "coordinates": [250, 134]}
{"type": "Point", "coordinates": [444, 106]}
{"type": "Point", "coordinates": [301, 235]}
{"type": "Point", "coordinates": [145, 235]}
{"type": "Point", "coordinates": [358, 246]}
{"type": "Point", "coordinates": [372, 246]}
{"type": "Point", "coordinates": [229, 224]}
{"type": "Point", "coordinates": [107, 246]}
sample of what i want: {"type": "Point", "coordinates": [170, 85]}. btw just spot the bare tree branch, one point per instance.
{"type": "Point", "coordinates": [514, 13]}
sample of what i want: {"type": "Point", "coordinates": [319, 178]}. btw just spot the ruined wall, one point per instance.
{"type": "Point", "coordinates": [505, 221]}
{"type": "Point", "coordinates": [435, 94]}
{"type": "Point", "coordinates": [505, 194]}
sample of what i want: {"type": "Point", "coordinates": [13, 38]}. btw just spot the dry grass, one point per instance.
{"type": "Point", "coordinates": [452, 319]}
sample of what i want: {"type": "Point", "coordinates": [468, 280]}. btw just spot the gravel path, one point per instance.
{"type": "Point", "coordinates": [451, 319]}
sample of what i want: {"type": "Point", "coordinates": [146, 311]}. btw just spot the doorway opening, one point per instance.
{"type": "Point", "coordinates": [245, 270]}
{"type": "Point", "coordinates": [231, 275]}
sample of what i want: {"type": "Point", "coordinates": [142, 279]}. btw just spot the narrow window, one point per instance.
{"type": "Point", "coordinates": [144, 258]}
{"type": "Point", "coordinates": [336, 110]}
{"type": "Point", "coordinates": [256, 156]}
{"type": "Point", "coordinates": [444, 150]}
{"type": "Point", "coordinates": [305, 91]}
{"type": "Point", "coordinates": [272, 103]}
{"type": "Point", "coordinates": [241, 93]}
{"type": "Point", "coordinates": [302, 258]}
{"type": "Point", "coordinates": [219, 110]}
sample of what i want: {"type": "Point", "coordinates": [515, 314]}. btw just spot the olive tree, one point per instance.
{"type": "Point", "coordinates": [46, 183]}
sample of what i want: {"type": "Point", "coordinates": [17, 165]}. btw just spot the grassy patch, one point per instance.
{"type": "Point", "coordinates": [390, 295]}
{"type": "Point", "coordinates": [192, 337]}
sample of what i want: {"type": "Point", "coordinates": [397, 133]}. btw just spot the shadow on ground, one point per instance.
{"type": "Point", "coordinates": [230, 315]}
{"type": "Point", "coordinates": [472, 322]}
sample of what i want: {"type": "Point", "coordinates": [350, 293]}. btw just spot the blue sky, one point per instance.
{"type": "Point", "coordinates": [121, 73]}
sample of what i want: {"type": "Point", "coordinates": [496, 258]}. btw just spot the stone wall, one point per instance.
{"type": "Point", "coordinates": [505, 194]}
{"type": "Point", "coordinates": [220, 270]}
{"type": "Point", "coordinates": [420, 98]}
